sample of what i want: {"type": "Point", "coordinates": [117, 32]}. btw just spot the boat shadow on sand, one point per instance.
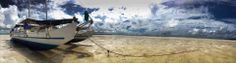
{"type": "Point", "coordinates": [47, 56]}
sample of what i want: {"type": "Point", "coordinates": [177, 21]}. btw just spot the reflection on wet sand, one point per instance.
{"type": "Point", "coordinates": [133, 49]}
{"type": "Point", "coordinates": [25, 55]}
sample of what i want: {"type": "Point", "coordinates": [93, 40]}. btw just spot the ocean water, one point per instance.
{"type": "Point", "coordinates": [4, 33]}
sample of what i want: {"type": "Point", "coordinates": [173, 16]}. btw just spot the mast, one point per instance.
{"type": "Point", "coordinates": [28, 9]}
{"type": "Point", "coordinates": [46, 12]}
{"type": "Point", "coordinates": [46, 9]}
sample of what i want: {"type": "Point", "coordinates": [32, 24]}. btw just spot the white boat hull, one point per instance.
{"type": "Point", "coordinates": [38, 40]}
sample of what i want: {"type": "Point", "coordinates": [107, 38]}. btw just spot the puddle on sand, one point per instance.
{"type": "Point", "coordinates": [25, 55]}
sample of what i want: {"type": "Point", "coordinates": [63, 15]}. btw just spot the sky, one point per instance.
{"type": "Point", "coordinates": [188, 18]}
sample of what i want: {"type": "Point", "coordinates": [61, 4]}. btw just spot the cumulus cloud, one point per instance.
{"type": "Point", "coordinates": [8, 16]}
{"type": "Point", "coordinates": [142, 17]}
{"type": "Point", "coordinates": [159, 19]}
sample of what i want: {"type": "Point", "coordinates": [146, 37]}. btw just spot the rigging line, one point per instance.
{"type": "Point", "coordinates": [81, 3]}
{"type": "Point", "coordinates": [129, 55]}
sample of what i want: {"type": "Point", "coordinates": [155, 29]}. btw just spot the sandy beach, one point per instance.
{"type": "Point", "coordinates": [125, 49]}
{"type": "Point", "coordinates": [14, 53]}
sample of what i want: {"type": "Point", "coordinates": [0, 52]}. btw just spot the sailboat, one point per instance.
{"type": "Point", "coordinates": [48, 34]}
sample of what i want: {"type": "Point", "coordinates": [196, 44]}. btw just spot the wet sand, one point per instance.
{"type": "Point", "coordinates": [127, 49]}
{"type": "Point", "coordinates": [14, 53]}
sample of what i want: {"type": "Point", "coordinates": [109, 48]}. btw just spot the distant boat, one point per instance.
{"type": "Point", "coordinates": [48, 34]}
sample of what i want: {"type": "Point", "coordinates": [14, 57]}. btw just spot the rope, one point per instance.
{"type": "Point", "coordinates": [81, 3]}
{"type": "Point", "coordinates": [130, 55]}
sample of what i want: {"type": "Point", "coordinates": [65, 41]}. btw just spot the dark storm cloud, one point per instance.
{"type": "Point", "coordinates": [6, 3]}
{"type": "Point", "coordinates": [219, 9]}
{"type": "Point", "coordinates": [21, 4]}
{"type": "Point", "coordinates": [154, 9]}
{"type": "Point", "coordinates": [71, 8]}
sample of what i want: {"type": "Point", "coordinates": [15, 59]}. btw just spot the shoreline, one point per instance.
{"type": "Point", "coordinates": [164, 37]}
